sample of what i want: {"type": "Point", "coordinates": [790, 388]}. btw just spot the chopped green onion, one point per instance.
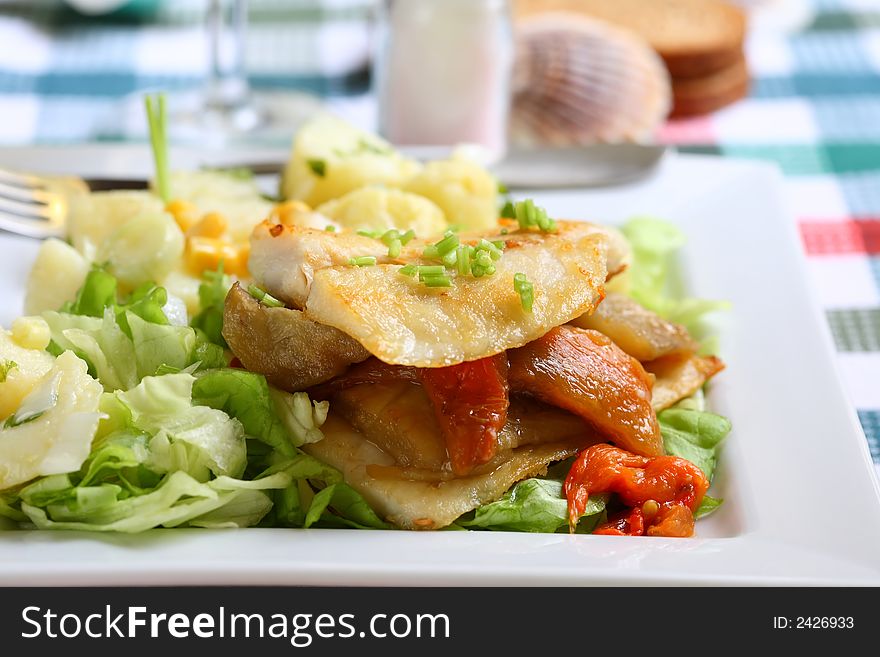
{"type": "Point", "coordinates": [430, 252]}
{"type": "Point", "coordinates": [407, 236]}
{"type": "Point", "coordinates": [508, 211]}
{"type": "Point", "coordinates": [485, 246]}
{"type": "Point", "coordinates": [436, 281]}
{"type": "Point", "coordinates": [451, 258]}
{"type": "Point", "coordinates": [157, 121]}
{"type": "Point", "coordinates": [362, 261]}
{"type": "Point", "coordinates": [504, 231]}
{"type": "Point", "coordinates": [5, 367]}
{"type": "Point", "coordinates": [330, 229]}
{"type": "Point", "coordinates": [264, 297]}
{"type": "Point", "coordinates": [432, 270]}
{"type": "Point", "coordinates": [502, 188]}
{"type": "Point", "coordinates": [394, 249]}
{"type": "Point", "coordinates": [374, 234]}
{"type": "Point", "coordinates": [463, 259]}
{"type": "Point", "coordinates": [449, 243]}
{"type": "Point", "coordinates": [499, 244]}
{"type": "Point", "coordinates": [525, 290]}
{"type": "Point", "coordinates": [408, 270]}
{"type": "Point", "coordinates": [391, 239]}
{"type": "Point", "coordinates": [529, 215]}
{"type": "Point", "coordinates": [318, 167]}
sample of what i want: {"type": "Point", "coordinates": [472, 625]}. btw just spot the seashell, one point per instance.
{"type": "Point", "coordinates": [578, 80]}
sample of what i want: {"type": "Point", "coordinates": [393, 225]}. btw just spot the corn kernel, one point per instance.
{"type": "Point", "coordinates": [240, 266]}
{"type": "Point", "coordinates": [206, 253]}
{"type": "Point", "coordinates": [212, 224]}
{"type": "Point", "coordinates": [285, 213]}
{"type": "Point", "coordinates": [185, 213]}
{"type": "Point", "coordinates": [31, 332]}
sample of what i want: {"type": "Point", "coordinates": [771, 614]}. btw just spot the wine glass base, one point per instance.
{"type": "Point", "coordinates": [267, 117]}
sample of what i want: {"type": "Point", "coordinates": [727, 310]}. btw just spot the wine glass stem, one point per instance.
{"type": "Point", "coordinates": [227, 88]}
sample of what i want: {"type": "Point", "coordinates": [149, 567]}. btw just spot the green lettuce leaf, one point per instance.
{"type": "Point", "coordinates": [212, 297]}
{"type": "Point", "coordinates": [707, 506]}
{"type": "Point", "coordinates": [119, 360]}
{"type": "Point", "coordinates": [651, 274]}
{"type": "Point", "coordinates": [533, 505]}
{"type": "Point", "coordinates": [693, 435]}
{"type": "Point", "coordinates": [162, 407]}
{"type": "Point", "coordinates": [244, 396]}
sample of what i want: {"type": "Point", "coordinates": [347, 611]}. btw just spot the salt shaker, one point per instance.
{"type": "Point", "coordinates": [443, 70]}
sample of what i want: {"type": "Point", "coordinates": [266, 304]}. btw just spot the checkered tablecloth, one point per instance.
{"type": "Point", "coordinates": [814, 109]}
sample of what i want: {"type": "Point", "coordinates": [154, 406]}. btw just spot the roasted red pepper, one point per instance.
{"type": "Point", "coordinates": [470, 403]}
{"type": "Point", "coordinates": [662, 491]}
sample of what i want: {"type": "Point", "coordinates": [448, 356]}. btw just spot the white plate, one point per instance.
{"type": "Point", "coordinates": [801, 502]}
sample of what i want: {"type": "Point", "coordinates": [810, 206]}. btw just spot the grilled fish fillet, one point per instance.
{"type": "Point", "coordinates": [403, 322]}
{"type": "Point", "coordinates": [408, 501]}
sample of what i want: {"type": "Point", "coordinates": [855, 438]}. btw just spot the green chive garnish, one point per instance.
{"type": "Point", "coordinates": [508, 211]}
{"type": "Point", "coordinates": [157, 121]}
{"type": "Point", "coordinates": [407, 236]}
{"type": "Point", "coordinates": [318, 167]}
{"type": "Point", "coordinates": [264, 297]}
{"type": "Point", "coordinates": [408, 270]}
{"type": "Point", "coordinates": [362, 261]}
{"type": "Point", "coordinates": [530, 215]}
{"type": "Point", "coordinates": [330, 229]}
{"type": "Point", "coordinates": [449, 243]}
{"type": "Point", "coordinates": [436, 281]}
{"type": "Point", "coordinates": [525, 290]}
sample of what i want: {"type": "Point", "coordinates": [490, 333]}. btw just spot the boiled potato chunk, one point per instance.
{"type": "Point", "coordinates": [379, 208]}
{"type": "Point", "coordinates": [55, 278]}
{"type": "Point", "coordinates": [465, 192]}
{"type": "Point", "coordinates": [331, 158]}
{"type": "Point", "coordinates": [59, 438]}
{"type": "Point", "coordinates": [145, 248]}
{"type": "Point", "coordinates": [94, 217]}
{"type": "Point", "coordinates": [20, 369]}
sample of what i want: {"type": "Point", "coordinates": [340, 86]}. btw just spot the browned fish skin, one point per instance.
{"type": "Point", "coordinates": [584, 372]}
{"type": "Point", "coordinates": [642, 334]}
{"type": "Point", "coordinates": [293, 352]}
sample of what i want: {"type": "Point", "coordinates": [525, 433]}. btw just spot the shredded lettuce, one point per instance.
{"type": "Point", "coordinates": [212, 296]}
{"type": "Point", "coordinates": [244, 396]}
{"type": "Point", "coordinates": [651, 273]}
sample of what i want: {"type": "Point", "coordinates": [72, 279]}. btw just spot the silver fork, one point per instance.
{"type": "Point", "coordinates": [36, 206]}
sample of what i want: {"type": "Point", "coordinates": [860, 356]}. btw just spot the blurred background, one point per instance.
{"type": "Point", "coordinates": [698, 72]}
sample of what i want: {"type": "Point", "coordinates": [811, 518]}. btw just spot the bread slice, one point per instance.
{"type": "Point", "coordinates": [697, 96]}
{"type": "Point", "coordinates": [694, 37]}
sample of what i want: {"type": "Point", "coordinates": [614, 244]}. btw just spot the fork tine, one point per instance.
{"type": "Point", "coordinates": [29, 227]}
{"type": "Point", "coordinates": [21, 179]}
{"type": "Point", "coordinates": [24, 194]}
{"type": "Point", "coordinates": [29, 211]}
